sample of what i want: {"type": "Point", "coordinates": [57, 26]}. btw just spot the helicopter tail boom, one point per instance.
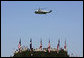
{"type": "Point", "coordinates": [50, 11]}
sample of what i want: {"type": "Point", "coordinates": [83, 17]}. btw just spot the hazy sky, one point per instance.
{"type": "Point", "coordinates": [18, 20]}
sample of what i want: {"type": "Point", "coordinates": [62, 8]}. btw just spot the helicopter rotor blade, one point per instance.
{"type": "Point", "coordinates": [40, 8]}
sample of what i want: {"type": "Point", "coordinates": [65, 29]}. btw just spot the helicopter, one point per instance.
{"type": "Point", "coordinates": [40, 11]}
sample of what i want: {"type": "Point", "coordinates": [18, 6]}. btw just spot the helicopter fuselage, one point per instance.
{"type": "Point", "coordinates": [42, 11]}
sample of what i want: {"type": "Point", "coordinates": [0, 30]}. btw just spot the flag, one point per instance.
{"type": "Point", "coordinates": [59, 42]}
{"type": "Point", "coordinates": [65, 45]}
{"type": "Point", "coordinates": [41, 44]}
{"type": "Point", "coordinates": [30, 44]}
{"type": "Point", "coordinates": [19, 46]}
{"type": "Point", "coordinates": [49, 47]}
{"type": "Point", "coordinates": [58, 45]}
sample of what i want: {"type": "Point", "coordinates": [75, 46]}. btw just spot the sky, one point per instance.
{"type": "Point", "coordinates": [65, 22]}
